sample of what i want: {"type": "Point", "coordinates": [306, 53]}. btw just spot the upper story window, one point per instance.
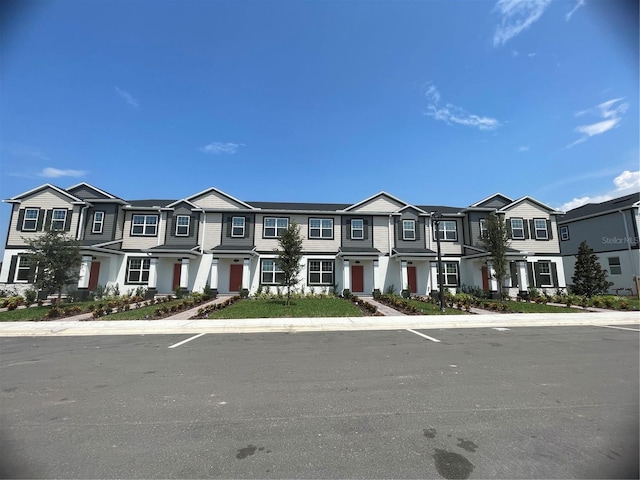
{"type": "Point", "coordinates": [483, 228]}
{"type": "Point", "coordinates": [517, 228]}
{"type": "Point", "coordinates": [146, 225]}
{"type": "Point", "coordinates": [98, 222]}
{"type": "Point", "coordinates": [408, 229]}
{"type": "Point", "coordinates": [614, 266]}
{"type": "Point", "coordinates": [321, 228]}
{"type": "Point", "coordinates": [58, 219]}
{"type": "Point", "coordinates": [564, 233]}
{"type": "Point", "coordinates": [182, 225]}
{"type": "Point", "coordinates": [274, 227]}
{"type": "Point", "coordinates": [357, 229]}
{"type": "Point", "coordinates": [237, 226]}
{"type": "Point", "coordinates": [30, 221]}
{"type": "Point", "coordinates": [448, 230]}
{"type": "Point", "coordinates": [540, 225]}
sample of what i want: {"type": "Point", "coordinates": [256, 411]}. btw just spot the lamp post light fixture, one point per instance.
{"type": "Point", "coordinates": [437, 218]}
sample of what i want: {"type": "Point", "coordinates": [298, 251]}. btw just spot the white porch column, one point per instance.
{"type": "Point", "coordinates": [491, 273]}
{"type": "Point", "coordinates": [184, 273]}
{"type": "Point", "coordinates": [214, 274]}
{"type": "Point", "coordinates": [433, 274]}
{"type": "Point", "coordinates": [346, 275]}
{"type": "Point", "coordinates": [523, 277]}
{"type": "Point", "coordinates": [245, 273]}
{"type": "Point", "coordinates": [153, 273]}
{"type": "Point", "coordinates": [405, 277]}
{"type": "Point", "coordinates": [376, 266]}
{"type": "Point", "coordinates": [85, 269]}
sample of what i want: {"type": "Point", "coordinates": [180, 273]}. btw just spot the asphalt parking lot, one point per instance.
{"type": "Point", "coordinates": [549, 402]}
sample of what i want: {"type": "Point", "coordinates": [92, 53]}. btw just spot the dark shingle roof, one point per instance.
{"type": "Point", "coordinates": [439, 208]}
{"type": "Point", "coordinates": [595, 208]}
{"type": "Point", "coordinates": [149, 203]}
{"type": "Point", "coordinates": [300, 206]}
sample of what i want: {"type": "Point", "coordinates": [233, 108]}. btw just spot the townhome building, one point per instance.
{"type": "Point", "coordinates": [211, 238]}
{"type": "Point", "coordinates": [610, 228]}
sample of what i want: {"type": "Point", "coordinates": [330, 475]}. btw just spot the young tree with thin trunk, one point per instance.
{"type": "Point", "coordinates": [589, 277]}
{"type": "Point", "coordinates": [289, 256]}
{"type": "Point", "coordinates": [496, 240]}
{"type": "Point", "coordinates": [57, 260]}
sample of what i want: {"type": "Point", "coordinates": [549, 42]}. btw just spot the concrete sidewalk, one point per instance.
{"type": "Point", "coordinates": [319, 324]}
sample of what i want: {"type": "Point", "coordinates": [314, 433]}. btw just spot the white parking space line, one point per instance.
{"type": "Point", "coordinates": [423, 335]}
{"type": "Point", "coordinates": [187, 340]}
{"type": "Point", "coordinates": [619, 328]}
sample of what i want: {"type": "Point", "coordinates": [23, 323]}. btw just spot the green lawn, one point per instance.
{"type": "Point", "coordinates": [525, 307]}
{"type": "Point", "coordinates": [35, 312]}
{"type": "Point", "coordinates": [300, 307]}
{"type": "Point", "coordinates": [429, 308]}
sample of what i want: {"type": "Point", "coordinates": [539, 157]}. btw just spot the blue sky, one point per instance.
{"type": "Point", "coordinates": [332, 101]}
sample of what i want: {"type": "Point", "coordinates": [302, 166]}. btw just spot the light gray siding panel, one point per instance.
{"type": "Point", "coordinates": [132, 242]}
{"type": "Point", "coordinates": [528, 211]}
{"type": "Point", "coordinates": [315, 245]}
{"type": "Point", "coordinates": [379, 204]}
{"type": "Point", "coordinates": [381, 233]}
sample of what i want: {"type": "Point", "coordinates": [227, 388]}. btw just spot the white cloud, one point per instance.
{"type": "Point", "coordinates": [625, 183]}
{"type": "Point", "coordinates": [217, 148]}
{"type": "Point", "coordinates": [127, 97]}
{"type": "Point", "coordinates": [516, 16]}
{"type": "Point", "coordinates": [579, 3]}
{"type": "Point", "coordinates": [523, 149]}
{"type": "Point", "coordinates": [19, 150]}
{"type": "Point", "coordinates": [51, 172]}
{"type": "Point", "coordinates": [452, 114]}
{"type": "Point", "coordinates": [611, 111]}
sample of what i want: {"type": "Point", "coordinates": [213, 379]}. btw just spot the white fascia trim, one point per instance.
{"type": "Point", "coordinates": [53, 187]}
{"type": "Point", "coordinates": [213, 189]}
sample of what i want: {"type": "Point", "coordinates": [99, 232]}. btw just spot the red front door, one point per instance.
{"type": "Point", "coordinates": [93, 275]}
{"type": "Point", "coordinates": [235, 278]}
{"type": "Point", "coordinates": [485, 279]}
{"type": "Point", "coordinates": [412, 278]}
{"type": "Point", "coordinates": [357, 279]}
{"type": "Point", "coordinates": [177, 269]}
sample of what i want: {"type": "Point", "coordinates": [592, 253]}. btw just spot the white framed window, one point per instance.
{"type": "Point", "coordinates": [517, 228]}
{"type": "Point", "coordinates": [564, 233]}
{"type": "Point", "coordinates": [483, 228]}
{"type": "Point", "coordinates": [321, 228]}
{"type": "Point", "coordinates": [408, 229]}
{"type": "Point", "coordinates": [30, 220]}
{"type": "Point", "coordinates": [271, 273]}
{"type": "Point", "coordinates": [58, 218]}
{"type": "Point", "coordinates": [237, 226]}
{"type": "Point", "coordinates": [357, 229]}
{"type": "Point", "coordinates": [320, 272]}
{"type": "Point", "coordinates": [182, 225]}
{"type": "Point", "coordinates": [145, 225]}
{"type": "Point", "coordinates": [540, 225]}
{"type": "Point", "coordinates": [544, 272]}
{"type": "Point", "coordinates": [274, 226]}
{"type": "Point", "coordinates": [98, 222]}
{"type": "Point", "coordinates": [23, 267]}
{"type": "Point", "coordinates": [614, 266]}
{"type": "Point", "coordinates": [448, 230]}
{"type": "Point", "coordinates": [138, 270]}
{"type": "Point", "coordinates": [450, 273]}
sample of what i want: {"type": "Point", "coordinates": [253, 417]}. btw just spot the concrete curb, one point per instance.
{"type": "Point", "coordinates": [319, 324]}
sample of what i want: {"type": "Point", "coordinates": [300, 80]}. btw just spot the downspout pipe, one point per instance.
{"type": "Point", "coordinates": [80, 234]}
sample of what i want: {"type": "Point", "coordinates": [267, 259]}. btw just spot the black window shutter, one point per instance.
{"type": "Point", "coordinates": [247, 222]}
{"type": "Point", "coordinates": [508, 222]}
{"type": "Point", "coordinates": [192, 226]}
{"type": "Point", "coordinates": [47, 222]}
{"type": "Point", "coordinates": [537, 272]}
{"type": "Point", "coordinates": [171, 224]}
{"type": "Point", "coordinates": [514, 274]}
{"type": "Point", "coordinates": [12, 269]}
{"type": "Point", "coordinates": [549, 230]}
{"type": "Point", "coordinates": [527, 230]}
{"type": "Point", "coordinates": [554, 273]}
{"type": "Point", "coordinates": [347, 224]}
{"type": "Point", "coordinates": [399, 229]}
{"type": "Point", "coordinates": [365, 229]}
{"type": "Point", "coordinates": [229, 225]}
{"type": "Point", "coordinates": [40, 219]}
{"type": "Point", "coordinates": [530, 274]}
{"type": "Point", "coordinates": [67, 221]}
{"type": "Point", "coordinates": [32, 272]}
{"type": "Point", "coordinates": [20, 219]}
{"type": "Point", "coordinates": [418, 225]}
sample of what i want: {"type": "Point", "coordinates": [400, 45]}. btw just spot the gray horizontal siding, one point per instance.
{"type": "Point", "coordinates": [170, 232]}
{"type": "Point", "coordinates": [249, 230]}
{"type": "Point", "coordinates": [347, 241]}
{"type": "Point", "coordinates": [109, 226]}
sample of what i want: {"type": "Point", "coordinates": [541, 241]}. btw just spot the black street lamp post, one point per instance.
{"type": "Point", "coordinates": [437, 218]}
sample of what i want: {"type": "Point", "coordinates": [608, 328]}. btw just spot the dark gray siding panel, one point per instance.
{"type": "Point", "coordinates": [170, 234]}
{"type": "Point", "coordinates": [249, 226]}
{"type": "Point", "coordinates": [109, 228]}
{"type": "Point", "coordinates": [419, 242]}
{"type": "Point", "coordinates": [347, 241]}
{"type": "Point", "coordinates": [86, 193]}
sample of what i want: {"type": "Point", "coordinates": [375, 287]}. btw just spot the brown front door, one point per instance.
{"type": "Point", "coordinates": [412, 278]}
{"type": "Point", "coordinates": [485, 278]}
{"type": "Point", "coordinates": [357, 279]}
{"type": "Point", "coordinates": [235, 278]}
{"type": "Point", "coordinates": [177, 269]}
{"type": "Point", "coordinates": [93, 275]}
